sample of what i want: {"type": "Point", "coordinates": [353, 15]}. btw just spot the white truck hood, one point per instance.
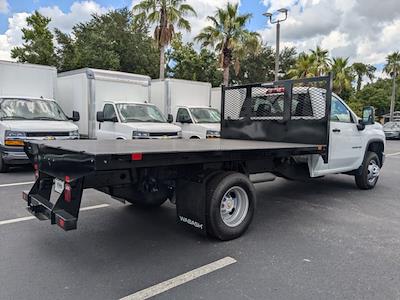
{"type": "Point", "coordinates": [210, 126]}
{"type": "Point", "coordinates": [153, 127]}
{"type": "Point", "coordinates": [40, 126]}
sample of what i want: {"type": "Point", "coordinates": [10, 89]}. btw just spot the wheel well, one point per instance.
{"type": "Point", "coordinates": [194, 137]}
{"type": "Point", "coordinates": [378, 148]}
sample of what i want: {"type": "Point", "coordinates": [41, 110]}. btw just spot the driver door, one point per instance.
{"type": "Point", "coordinates": [345, 147]}
{"type": "Point", "coordinates": [185, 121]}
{"type": "Point", "coordinates": [107, 128]}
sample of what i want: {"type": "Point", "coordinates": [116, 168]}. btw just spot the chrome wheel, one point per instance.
{"type": "Point", "coordinates": [234, 206]}
{"type": "Point", "coordinates": [373, 171]}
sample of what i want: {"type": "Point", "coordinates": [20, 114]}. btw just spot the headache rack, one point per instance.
{"type": "Point", "coordinates": [294, 111]}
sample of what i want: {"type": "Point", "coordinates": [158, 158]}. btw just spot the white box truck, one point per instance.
{"type": "Point", "coordinates": [28, 110]}
{"type": "Point", "coordinates": [215, 100]}
{"type": "Point", "coordinates": [188, 104]}
{"type": "Point", "coordinates": [113, 105]}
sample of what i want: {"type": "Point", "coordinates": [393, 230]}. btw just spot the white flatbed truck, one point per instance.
{"type": "Point", "coordinates": [287, 128]}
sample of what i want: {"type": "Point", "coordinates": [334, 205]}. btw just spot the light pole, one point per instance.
{"type": "Point", "coordinates": [278, 28]}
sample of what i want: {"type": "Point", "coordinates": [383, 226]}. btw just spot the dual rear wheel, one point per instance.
{"type": "Point", "coordinates": [231, 201]}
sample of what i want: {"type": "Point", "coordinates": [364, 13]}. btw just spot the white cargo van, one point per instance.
{"type": "Point", "coordinates": [28, 110]}
{"type": "Point", "coordinates": [189, 104]}
{"type": "Point", "coordinates": [113, 105]}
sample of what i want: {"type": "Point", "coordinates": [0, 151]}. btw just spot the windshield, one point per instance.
{"type": "Point", "coordinates": [206, 115]}
{"type": "Point", "coordinates": [392, 125]}
{"type": "Point", "coordinates": [140, 113]}
{"type": "Point", "coordinates": [30, 109]}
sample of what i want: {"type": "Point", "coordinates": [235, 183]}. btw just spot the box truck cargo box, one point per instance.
{"type": "Point", "coordinates": [91, 91]}
{"type": "Point", "coordinates": [188, 102]}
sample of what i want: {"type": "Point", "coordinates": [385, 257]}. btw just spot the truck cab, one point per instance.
{"type": "Point", "coordinates": [350, 138]}
{"type": "Point", "coordinates": [134, 120]}
{"type": "Point", "coordinates": [198, 122]}
{"type": "Point", "coordinates": [24, 119]}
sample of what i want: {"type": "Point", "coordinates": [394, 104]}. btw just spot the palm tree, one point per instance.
{"type": "Point", "coordinates": [342, 75]}
{"type": "Point", "coordinates": [362, 70]}
{"type": "Point", "coordinates": [228, 36]}
{"type": "Point", "coordinates": [165, 14]}
{"type": "Point", "coordinates": [321, 60]}
{"type": "Point", "coordinates": [304, 67]}
{"type": "Point", "coordinates": [392, 68]}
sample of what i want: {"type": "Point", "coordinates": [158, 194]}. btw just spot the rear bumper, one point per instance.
{"type": "Point", "coordinates": [14, 155]}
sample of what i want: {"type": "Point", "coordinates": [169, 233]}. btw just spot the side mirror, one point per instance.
{"type": "Point", "coordinates": [360, 125]}
{"type": "Point", "coordinates": [113, 119]}
{"type": "Point", "coordinates": [100, 116]}
{"type": "Point", "coordinates": [170, 118]}
{"type": "Point", "coordinates": [368, 115]}
{"type": "Point", "coordinates": [75, 116]}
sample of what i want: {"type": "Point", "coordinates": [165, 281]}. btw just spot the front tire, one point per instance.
{"type": "Point", "coordinates": [231, 200]}
{"type": "Point", "coordinates": [370, 172]}
{"type": "Point", "coordinates": [3, 166]}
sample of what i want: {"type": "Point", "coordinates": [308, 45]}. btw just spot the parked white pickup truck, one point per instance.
{"type": "Point", "coordinates": [28, 111]}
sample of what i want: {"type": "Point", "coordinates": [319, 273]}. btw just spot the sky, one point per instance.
{"type": "Point", "coordinates": [363, 30]}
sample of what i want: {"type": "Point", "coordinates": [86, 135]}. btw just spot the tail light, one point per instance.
{"type": "Point", "coordinates": [67, 190]}
{"type": "Point", "coordinates": [36, 168]}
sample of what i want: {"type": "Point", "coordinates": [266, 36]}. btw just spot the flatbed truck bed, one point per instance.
{"type": "Point", "coordinates": [207, 179]}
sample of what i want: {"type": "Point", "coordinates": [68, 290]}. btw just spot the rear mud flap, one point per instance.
{"type": "Point", "coordinates": [191, 204]}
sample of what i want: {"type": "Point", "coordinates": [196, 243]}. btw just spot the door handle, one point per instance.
{"type": "Point", "coordinates": [336, 130]}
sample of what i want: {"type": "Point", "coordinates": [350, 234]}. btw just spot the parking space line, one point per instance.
{"type": "Point", "coordinates": [181, 279]}
{"type": "Point", "coordinates": [32, 217]}
{"type": "Point", "coordinates": [393, 154]}
{"type": "Point", "coordinates": [16, 184]}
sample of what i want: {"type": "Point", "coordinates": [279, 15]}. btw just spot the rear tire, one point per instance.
{"type": "Point", "coordinates": [3, 166]}
{"type": "Point", "coordinates": [231, 201]}
{"type": "Point", "coordinates": [369, 175]}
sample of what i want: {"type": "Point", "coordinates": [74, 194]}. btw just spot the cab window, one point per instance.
{"type": "Point", "coordinates": [339, 112]}
{"type": "Point", "coordinates": [109, 112]}
{"type": "Point", "coordinates": [183, 116]}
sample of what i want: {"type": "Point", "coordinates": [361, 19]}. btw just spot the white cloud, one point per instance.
{"type": "Point", "coordinates": [13, 36]}
{"type": "Point", "coordinates": [4, 6]}
{"type": "Point", "coordinates": [80, 11]}
{"type": "Point", "coordinates": [364, 30]}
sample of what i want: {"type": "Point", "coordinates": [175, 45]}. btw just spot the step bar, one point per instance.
{"type": "Point", "coordinates": [43, 209]}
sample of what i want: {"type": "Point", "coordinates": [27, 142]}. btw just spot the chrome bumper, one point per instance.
{"type": "Point", "coordinates": [14, 155]}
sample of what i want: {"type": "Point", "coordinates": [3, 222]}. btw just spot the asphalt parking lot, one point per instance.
{"type": "Point", "coordinates": [309, 240]}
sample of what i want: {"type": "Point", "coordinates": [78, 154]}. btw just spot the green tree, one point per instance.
{"type": "Point", "coordinates": [287, 61]}
{"type": "Point", "coordinates": [392, 68]}
{"type": "Point", "coordinates": [229, 37]}
{"type": "Point", "coordinates": [165, 14]}
{"type": "Point", "coordinates": [361, 70]}
{"type": "Point", "coordinates": [38, 47]}
{"type": "Point", "coordinates": [304, 67]}
{"type": "Point", "coordinates": [66, 51]}
{"type": "Point", "coordinates": [376, 94]}
{"type": "Point", "coordinates": [184, 62]}
{"type": "Point", "coordinates": [321, 61]}
{"type": "Point", "coordinates": [108, 41]}
{"type": "Point", "coordinates": [342, 77]}
{"type": "Point", "coordinates": [256, 67]}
